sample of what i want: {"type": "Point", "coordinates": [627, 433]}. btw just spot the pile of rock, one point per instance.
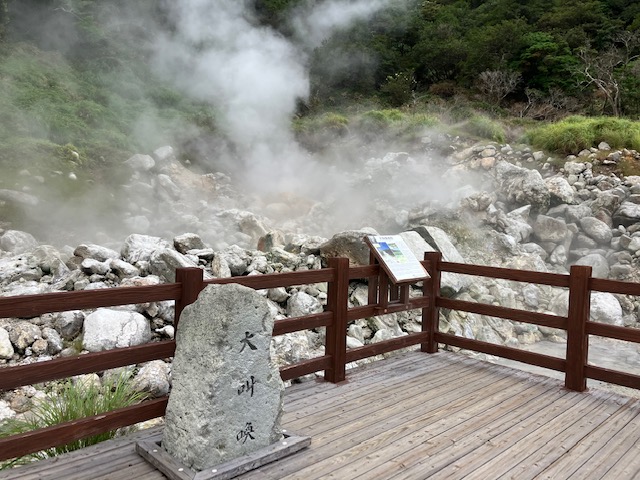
{"type": "Point", "coordinates": [538, 218]}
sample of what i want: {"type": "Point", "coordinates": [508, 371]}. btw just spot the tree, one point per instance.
{"type": "Point", "coordinates": [497, 84]}
{"type": "Point", "coordinates": [606, 70]}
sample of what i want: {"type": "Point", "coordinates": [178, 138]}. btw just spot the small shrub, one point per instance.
{"type": "Point", "coordinates": [486, 128]}
{"type": "Point", "coordinates": [421, 120]}
{"type": "Point", "coordinates": [72, 401]}
{"type": "Point", "coordinates": [398, 88]}
{"type": "Point", "coordinates": [334, 122]}
{"type": "Point", "coordinates": [382, 118]}
{"type": "Point", "coordinates": [445, 89]}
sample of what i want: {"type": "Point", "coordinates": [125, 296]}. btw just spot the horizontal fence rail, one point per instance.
{"type": "Point", "coordinates": [384, 298]}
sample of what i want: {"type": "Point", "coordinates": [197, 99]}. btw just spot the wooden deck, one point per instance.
{"type": "Point", "coordinates": [415, 416]}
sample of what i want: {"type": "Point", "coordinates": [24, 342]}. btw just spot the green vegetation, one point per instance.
{"type": "Point", "coordinates": [88, 106]}
{"type": "Point", "coordinates": [316, 131]}
{"type": "Point", "coordinates": [402, 52]}
{"type": "Point", "coordinates": [72, 401]}
{"type": "Point", "coordinates": [410, 66]}
{"type": "Point", "coordinates": [484, 127]}
{"type": "Point", "coordinates": [576, 133]}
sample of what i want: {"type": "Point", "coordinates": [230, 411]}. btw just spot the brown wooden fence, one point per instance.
{"type": "Point", "coordinates": [383, 299]}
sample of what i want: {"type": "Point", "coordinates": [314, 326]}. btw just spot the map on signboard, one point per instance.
{"type": "Point", "coordinates": [396, 258]}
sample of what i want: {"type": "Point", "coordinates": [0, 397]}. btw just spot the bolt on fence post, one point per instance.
{"type": "Point", "coordinates": [577, 317]}
{"type": "Point", "coordinates": [336, 337]}
{"type": "Point", "coordinates": [191, 282]}
{"type": "Point", "coordinates": [431, 314]}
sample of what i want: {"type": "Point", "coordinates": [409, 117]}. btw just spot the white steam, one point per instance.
{"type": "Point", "coordinates": [253, 75]}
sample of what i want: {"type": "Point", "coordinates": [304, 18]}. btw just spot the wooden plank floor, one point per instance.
{"type": "Point", "coordinates": [415, 416]}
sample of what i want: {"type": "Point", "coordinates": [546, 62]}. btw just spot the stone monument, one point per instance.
{"type": "Point", "coordinates": [227, 395]}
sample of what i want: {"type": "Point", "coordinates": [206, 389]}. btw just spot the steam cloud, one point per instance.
{"type": "Point", "coordinates": [254, 75]}
{"type": "Point", "coordinates": [217, 51]}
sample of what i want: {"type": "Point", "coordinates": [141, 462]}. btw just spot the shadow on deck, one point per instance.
{"type": "Point", "coordinates": [414, 416]}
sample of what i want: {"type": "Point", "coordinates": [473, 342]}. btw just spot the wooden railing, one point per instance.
{"type": "Point", "coordinates": [383, 298]}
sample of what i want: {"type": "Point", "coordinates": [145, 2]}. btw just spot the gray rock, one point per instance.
{"type": "Point", "coordinates": [20, 268]}
{"type": "Point", "coordinates": [389, 323]}
{"type": "Point", "coordinates": [627, 214]}
{"type": "Point", "coordinates": [430, 239]}
{"type": "Point", "coordinates": [349, 244]}
{"type": "Point", "coordinates": [105, 329]}
{"type": "Point", "coordinates": [548, 229]}
{"type": "Point", "coordinates": [288, 259]}
{"type": "Point", "coordinates": [164, 154]}
{"type": "Point", "coordinates": [236, 259]}
{"type": "Point", "coordinates": [18, 198]}
{"type": "Point", "coordinates": [598, 264]}
{"type": "Point", "coordinates": [517, 224]}
{"type": "Point", "coordinates": [301, 303]}
{"type": "Point", "coordinates": [574, 213]}
{"type": "Point", "coordinates": [227, 395]}
{"type": "Point", "coordinates": [188, 241]}
{"type": "Point", "coordinates": [54, 340]}
{"type": "Point", "coordinates": [139, 248]}
{"type": "Point", "coordinates": [26, 288]}
{"type": "Point", "coordinates": [605, 202]}
{"type": "Point", "coordinates": [605, 307]}
{"type": "Point", "coordinates": [575, 168]}
{"type": "Point", "coordinates": [153, 379]}
{"type": "Point", "coordinates": [17, 242]}
{"type": "Point", "coordinates": [246, 222]}
{"type": "Point", "coordinates": [438, 239]}
{"type": "Point", "coordinates": [6, 347]}
{"type": "Point", "coordinates": [522, 186]}
{"type": "Point", "coordinates": [558, 256]}
{"type": "Point", "coordinates": [69, 324]}
{"type": "Point", "coordinates": [560, 190]}
{"type": "Point", "coordinates": [278, 294]}
{"type": "Point", "coordinates": [123, 269]}
{"type": "Point", "coordinates": [596, 229]}
{"type": "Point", "coordinates": [220, 267]}
{"type": "Point", "coordinates": [95, 252]}
{"type": "Point", "coordinates": [22, 334]}
{"type": "Point", "coordinates": [91, 266]}
{"type": "Point", "coordinates": [271, 239]}
{"type": "Point", "coordinates": [140, 162]}
{"type": "Point", "coordinates": [172, 191]}
{"type": "Point", "coordinates": [163, 263]}
{"type": "Point", "coordinates": [5, 411]}
{"type": "Point", "coordinates": [50, 261]}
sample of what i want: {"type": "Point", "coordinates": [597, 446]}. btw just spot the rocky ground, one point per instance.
{"type": "Point", "coordinates": [484, 204]}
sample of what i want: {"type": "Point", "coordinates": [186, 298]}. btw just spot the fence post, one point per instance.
{"type": "Point", "coordinates": [577, 317]}
{"type": "Point", "coordinates": [373, 282]}
{"type": "Point", "coordinates": [431, 314]}
{"type": "Point", "coordinates": [336, 338]}
{"type": "Point", "coordinates": [191, 282]}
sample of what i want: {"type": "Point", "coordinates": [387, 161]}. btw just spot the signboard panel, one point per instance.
{"type": "Point", "coordinates": [396, 258]}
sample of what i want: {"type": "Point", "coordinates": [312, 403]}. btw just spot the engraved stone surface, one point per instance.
{"type": "Point", "coordinates": [227, 396]}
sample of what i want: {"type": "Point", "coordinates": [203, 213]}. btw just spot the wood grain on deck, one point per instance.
{"type": "Point", "coordinates": [414, 416]}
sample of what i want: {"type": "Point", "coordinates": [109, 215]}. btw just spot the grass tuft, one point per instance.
{"type": "Point", "coordinates": [484, 127]}
{"type": "Point", "coordinates": [576, 133]}
{"type": "Point", "coordinates": [72, 401]}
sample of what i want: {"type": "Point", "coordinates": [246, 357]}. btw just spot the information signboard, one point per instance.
{"type": "Point", "coordinates": [396, 258]}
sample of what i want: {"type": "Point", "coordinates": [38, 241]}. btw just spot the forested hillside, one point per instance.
{"type": "Point", "coordinates": [76, 74]}
{"type": "Point", "coordinates": [576, 54]}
